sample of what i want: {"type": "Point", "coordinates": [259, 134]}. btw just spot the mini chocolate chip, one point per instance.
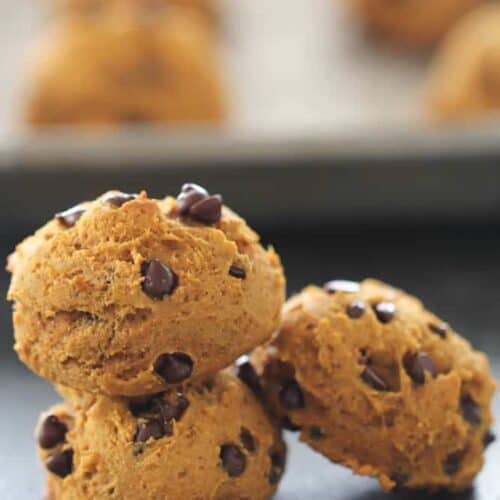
{"type": "Point", "coordinates": [60, 464]}
{"type": "Point", "coordinates": [153, 428]}
{"type": "Point", "coordinates": [174, 367]}
{"type": "Point", "coordinates": [287, 424]}
{"type": "Point", "coordinates": [237, 272]}
{"type": "Point", "coordinates": [488, 438]}
{"type": "Point", "coordinates": [174, 411]}
{"type": "Point", "coordinates": [207, 210]}
{"type": "Point", "coordinates": [70, 217]}
{"type": "Point", "coordinates": [291, 396]}
{"type": "Point", "coordinates": [248, 375]}
{"type": "Point", "coordinates": [247, 440]}
{"type": "Point", "coordinates": [316, 433]}
{"type": "Point", "coordinates": [471, 411]}
{"type": "Point", "coordinates": [141, 404]}
{"type": "Point", "coordinates": [417, 364]}
{"type": "Point", "coordinates": [117, 198]}
{"type": "Point", "coordinates": [356, 309]}
{"type": "Point", "coordinates": [400, 478]}
{"type": "Point", "coordinates": [385, 311]}
{"type": "Point", "coordinates": [373, 379]}
{"type": "Point", "coordinates": [452, 463]}
{"type": "Point", "coordinates": [341, 286]}
{"type": "Point", "coordinates": [277, 455]}
{"type": "Point", "coordinates": [159, 280]}
{"type": "Point", "coordinates": [52, 432]}
{"type": "Point", "coordinates": [440, 329]}
{"type": "Point", "coordinates": [189, 195]}
{"type": "Point", "coordinates": [233, 460]}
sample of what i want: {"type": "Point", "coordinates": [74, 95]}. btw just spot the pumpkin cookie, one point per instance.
{"type": "Point", "coordinates": [376, 382]}
{"type": "Point", "coordinates": [126, 295]}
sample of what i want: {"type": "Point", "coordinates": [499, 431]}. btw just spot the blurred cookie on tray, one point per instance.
{"type": "Point", "coordinates": [464, 81]}
{"type": "Point", "coordinates": [121, 67]}
{"type": "Point", "coordinates": [412, 24]}
{"type": "Point", "coordinates": [206, 8]}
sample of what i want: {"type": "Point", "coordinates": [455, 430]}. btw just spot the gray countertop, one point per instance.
{"type": "Point", "coordinates": [455, 270]}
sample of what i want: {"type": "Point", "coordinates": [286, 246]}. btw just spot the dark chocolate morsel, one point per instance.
{"type": "Point", "coordinates": [233, 460]}
{"type": "Point", "coordinates": [70, 217]}
{"type": "Point", "coordinates": [416, 365]}
{"type": "Point", "coordinates": [440, 329]}
{"type": "Point", "coordinates": [173, 367]}
{"type": "Point", "coordinates": [370, 377]}
{"type": "Point", "coordinates": [247, 440]}
{"type": "Point", "coordinates": [385, 311]}
{"type": "Point", "coordinates": [248, 375]}
{"type": "Point", "coordinates": [52, 432]}
{"type": "Point", "coordinates": [471, 411]}
{"type": "Point", "coordinates": [356, 309]}
{"type": "Point", "coordinates": [316, 433]}
{"type": "Point", "coordinates": [117, 198]}
{"type": "Point", "coordinates": [159, 279]}
{"type": "Point", "coordinates": [237, 272]}
{"type": "Point", "coordinates": [291, 396]}
{"type": "Point", "coordinates": [488, 438]}
{"type": "Point", "coordinates": [207, 210]}
{"type": "Point", "coordinates": [153, 428]}
{"type": "Point", "coordinates": [452, 463]}
{"type": "Point", "coordinates": [60, 464]}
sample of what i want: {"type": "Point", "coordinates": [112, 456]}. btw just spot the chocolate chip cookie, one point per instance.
{"type": "Point", "coordinates": [464, 81]}
{"type": "Point", "coordinates": [123, 68]}
{"type": "Point", "coordinates": [411, 23]}
{"type": "Point", "coordinates": [126, 295]}
{"type": "Point", "coordinates": [210, 441]}
{"type": "Point", "coordinates": [374, 381]}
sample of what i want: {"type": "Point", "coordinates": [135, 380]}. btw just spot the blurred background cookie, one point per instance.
{"type": "Point", "coordinates": [410, 23]}
{"type": "Point", "coordinates": [123, 68]}
{"type": "Point", "coordinates": [464, 80]}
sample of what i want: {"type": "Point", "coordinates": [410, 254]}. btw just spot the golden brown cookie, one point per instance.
{"type": "Point", "coordinates": [127, 294]}
{"type": "Point", "coordinates": [125, 68]}
{"type": "Point", "coordinates": [211, 441]}
{"type": "Point", "coordinates": [464, 79]}
{"type": "Point", "coordinates": [411, 23]}
{"type": "Point", "coordinates": [377, 383]}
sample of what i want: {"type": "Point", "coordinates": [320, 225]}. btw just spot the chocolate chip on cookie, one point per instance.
{"type": "Point", "coordinates": [237, 272]}
{"type": "Point", "coordinates": [291, 396]}
{"type": "Point", "coordinates": [195, 202]}
{"type": "Point", "coordinates": [233, 460]}
{"type": "Point", "coordinates": [316, 433]}
{"type": "Point", "coordinates": [370, 377]}
{"type": "Point", "coordinates": [60, 464]}
{"type": "Point", "coordinates": [159, 279]}
{"type": "Point", "coordinates": [247, 374]}
{"type": "Point", "coordinates": [174, 410]}
{"type": "Point", "coordinates": [70, 217]}
{"type": "Point", "coordinates": [341, 286]}
{"type": "Point", "coordinates": [247, 440]}
{"type": "Point", "coordinates": [52, 432]}
{"type": "Point", "coordinates": [117, 198]}
{"type": "Point", "coordinates": [417, 365]}
{"type": "Point", "coordinates": [356, 309]}
{"type": "Point", "coordinates": [277, 454]}
{"type": "Point", "coordinates": [400, 478]}
{"type": "Point", "coordinates": [488, 438]}
{"type": "Point", "coordinates": [440, 329]}
{"type": "Point", "coordinates": [385, 311]}
{"type": "Point", "coordinates": [452, 463]}
{"type": "Point", "coordinates": [471, 411]}
{"type": "Point", "coordinates": [174, 367]}
{"type": "Point", "coordinates": [152, 428]}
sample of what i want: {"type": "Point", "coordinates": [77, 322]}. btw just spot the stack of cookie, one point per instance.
{"type": "Point", "coordinates": [133, 307]}
{"type": "Point", "coordinates": [107, 62]}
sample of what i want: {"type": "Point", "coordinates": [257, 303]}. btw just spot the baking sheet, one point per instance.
{"type": "Point", "coordinates": [301, 78]}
